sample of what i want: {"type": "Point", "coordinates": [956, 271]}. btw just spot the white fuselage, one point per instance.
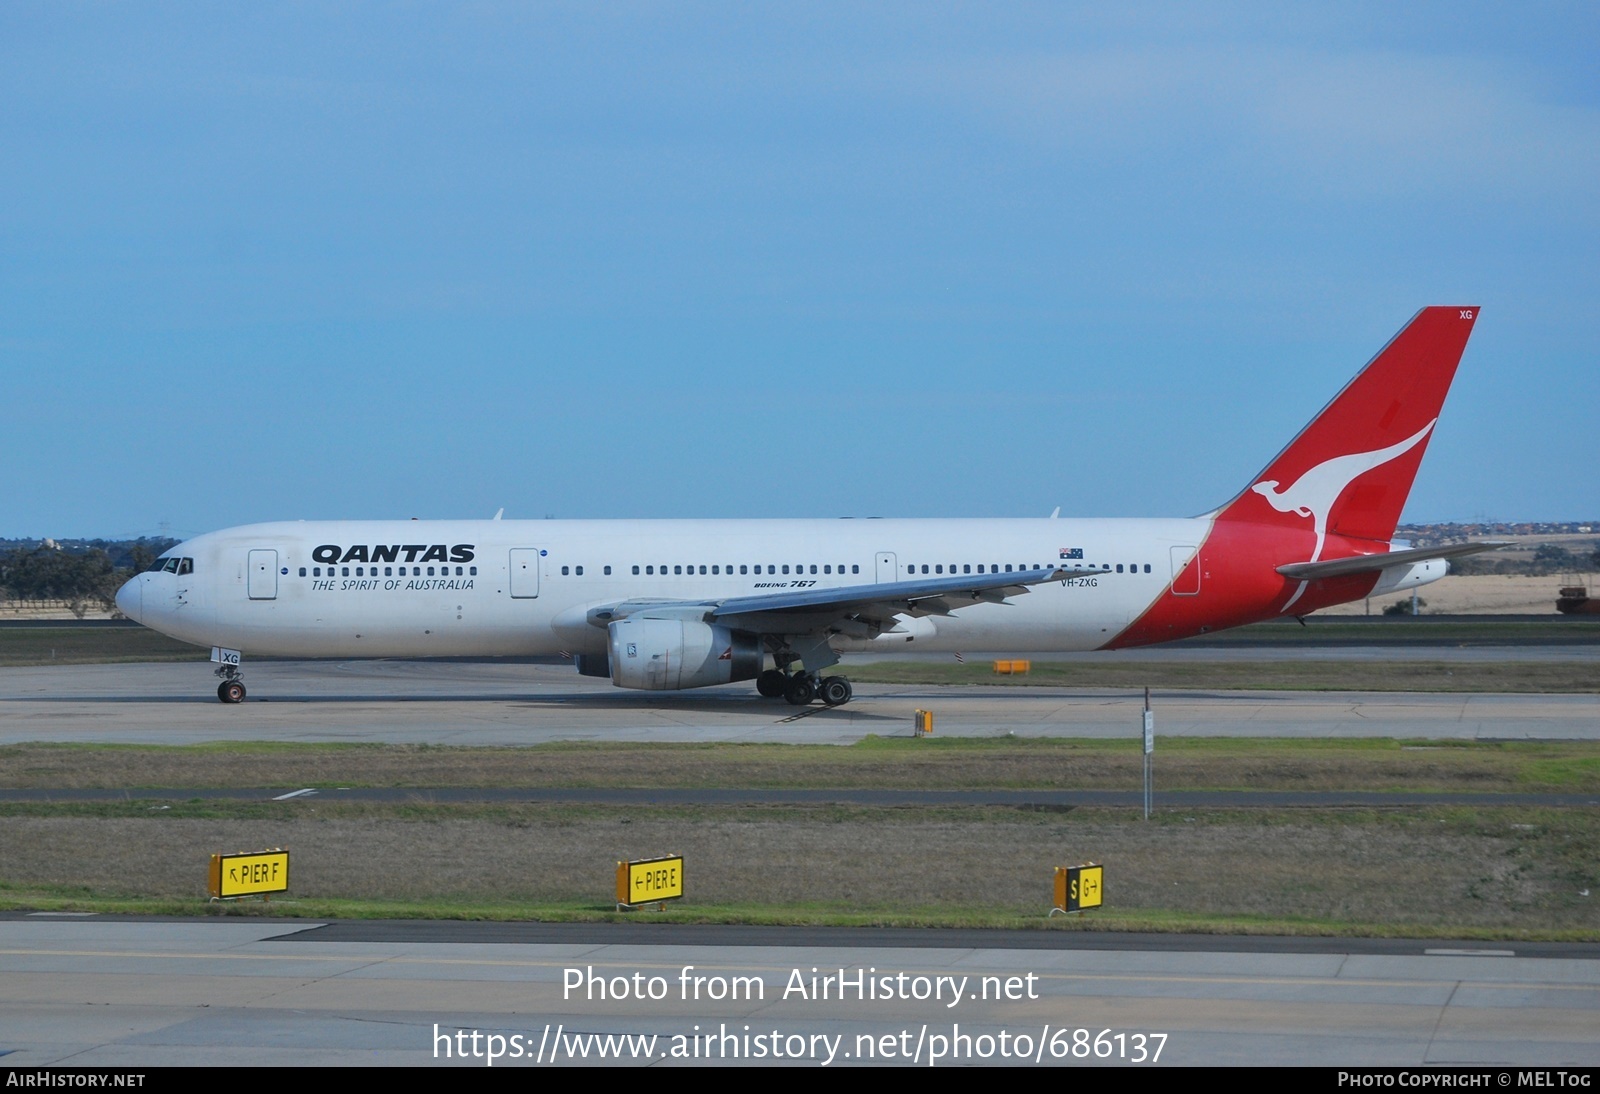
{"type": "Point", "coordinates": [509, 588]}
{"type": "Point", "coordinates": [691, 603]}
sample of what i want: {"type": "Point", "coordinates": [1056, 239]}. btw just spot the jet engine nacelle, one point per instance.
{"type": "Point", "coordinates": [671, 654]}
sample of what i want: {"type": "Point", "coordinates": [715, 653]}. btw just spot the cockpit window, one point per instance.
{"type": "Point", "coordinates": [171, 566]}
{"type": "Point", "coordinates": [158, 565]}
{"type": "Point", "coordinates": [185, 566]}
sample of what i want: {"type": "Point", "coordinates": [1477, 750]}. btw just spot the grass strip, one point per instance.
{"type": "Point", "coordinates": [1415, 872]}
{"type": "Point", "coordinates": [998, 763]}
{"type": "Point", "coordinates": [68, 644]}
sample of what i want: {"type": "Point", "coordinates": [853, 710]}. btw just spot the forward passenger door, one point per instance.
{"type": "Point", "coordinates": [525, 572]}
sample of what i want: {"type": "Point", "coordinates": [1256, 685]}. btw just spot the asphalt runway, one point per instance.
{"type": "Point", "coordinates": [474, 703]}
{"type": "Point", "coordinates": [250, 993]}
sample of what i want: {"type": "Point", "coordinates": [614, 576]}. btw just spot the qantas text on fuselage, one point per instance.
{"type": "Point", "coordinates": [667, 605]}
{"type": "Point", "coordinates": [393, 552]}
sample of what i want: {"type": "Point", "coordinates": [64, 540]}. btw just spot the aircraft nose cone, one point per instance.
{"type": "Point", "coordinates": [130, 598]}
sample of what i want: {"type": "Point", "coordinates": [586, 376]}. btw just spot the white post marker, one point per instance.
{"type": "Point", "coordinates": [1149, 750]}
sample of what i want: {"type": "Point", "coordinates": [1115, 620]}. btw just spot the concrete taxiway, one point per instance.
{"type": "Point", "coordinates": [246, 993]}
{"type": "Point", "coordinates": [509, 704]}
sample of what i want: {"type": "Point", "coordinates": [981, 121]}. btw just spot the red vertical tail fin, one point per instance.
{"type": "Point", "coordinates": [1337, 488]}
{"type": "Point", "coordinates": [1349, 471]}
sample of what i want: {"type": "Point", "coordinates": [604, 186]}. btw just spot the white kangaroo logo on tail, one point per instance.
{"type": "Point", "coordinates": [1315, 493]}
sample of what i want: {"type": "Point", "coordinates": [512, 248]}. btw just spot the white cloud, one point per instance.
{"type": "Point", "coordinates": [1351, 123]}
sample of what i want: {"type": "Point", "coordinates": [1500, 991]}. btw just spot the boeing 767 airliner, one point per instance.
{"type": "Point", "coordinates": [671, 604]}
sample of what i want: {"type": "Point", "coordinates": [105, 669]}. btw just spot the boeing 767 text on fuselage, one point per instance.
{"type": "Point", "coordinates": [672, 604]}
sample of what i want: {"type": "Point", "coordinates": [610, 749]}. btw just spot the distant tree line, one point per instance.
{"type": "Point", "coordinates": [85, 574]}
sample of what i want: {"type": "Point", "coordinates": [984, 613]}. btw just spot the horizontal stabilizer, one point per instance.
{"type": "Point", "coordinates": [1366, 564]}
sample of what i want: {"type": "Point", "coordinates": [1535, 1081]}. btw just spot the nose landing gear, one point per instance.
{"type": "Point", "coordinates": [231, 690]}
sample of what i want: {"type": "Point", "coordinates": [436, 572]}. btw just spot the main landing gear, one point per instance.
{"type": "Point", "coordinates": [231, 690]}
{"type": "Point", "coordinates": [802, 688]}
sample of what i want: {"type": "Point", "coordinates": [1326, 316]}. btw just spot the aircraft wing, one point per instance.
{"type": "Point", "coordinates": [878, 603]}
{"type": "Point", "coordinates": [869, 607]}
{"type": "Point", "coordinates": [1365, 564]}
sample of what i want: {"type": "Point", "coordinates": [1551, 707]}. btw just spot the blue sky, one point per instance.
{"type": "Point", "coordinates": [318, 261]}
